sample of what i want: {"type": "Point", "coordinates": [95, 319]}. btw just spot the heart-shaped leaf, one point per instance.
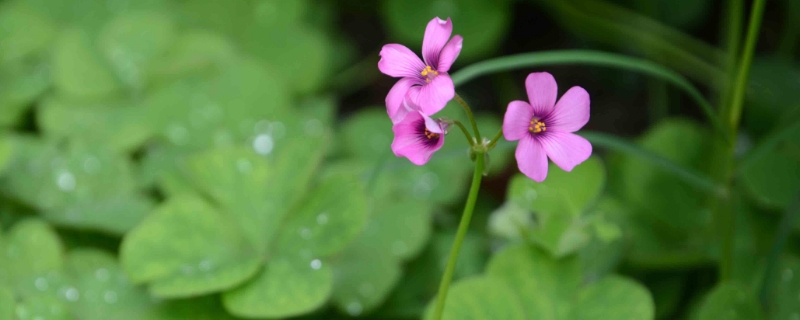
{"type": "Point", "coordinates": [481, 298]}
{"type": "Point", "coordinates": [614, 297]}
{"type": "Point", "coordinates": [187, 248]}
{"type": "Point", "coordinates": [729, 301]}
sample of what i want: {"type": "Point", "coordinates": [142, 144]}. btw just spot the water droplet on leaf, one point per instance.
{"type": "Point", "coordinates": [316, 264]}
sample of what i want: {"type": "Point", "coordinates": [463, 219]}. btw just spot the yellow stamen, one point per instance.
{"type": "Point", "coordinates": [537, 126]}
{"type": "Point", "coordinates": [431, 135]}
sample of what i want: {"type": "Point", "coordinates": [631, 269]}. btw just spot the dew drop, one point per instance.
{"type": "Point", "coordinates": [223, 138]}
{"type": "Point", "coordinates": [531, 195]}
{"type": "Point", "coordinates": [354, 308]}
{"type": "Point", "coordinates": [316, 264]}
{"type": "Point", "coordinates": [322, 218]}
{"type": "Point", "coordinates": [263, 144]}
{"type": "Point", "coordinates": [795, 316]}
{"type": "Point", "coordinates": [110, 297]}
{"type": "Point", "coordinates": [305, 254]}
{"type": "Point", "coordinates": [66, 181]}
{"type": "Point", "coordinates": [788, 274]}
{"type": "Point", "coordinates": [187, 270]}
{"type": "Point", "coordinates": [72, 294]}
{"type": "Point", "coordinates": [41, 284]}
{"type": "Point", "coordinates": [101, 274]}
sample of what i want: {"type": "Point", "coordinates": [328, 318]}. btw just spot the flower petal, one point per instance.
{"type": "Point", "coordinates": [567, 150]}
{"type": "Point", "coordinates": [399, 61]}
{"type": "Point", "coordinates": [436, 35]}
{"type": "Point", "coordinates": [517, 120]}
{"type": "Point", "coordinates": [394, 100]}
{"type": "Point", "coordinates": [532, 159]}
{"type": "Point", "coordinates": [542, 92]}
{"type": "Point", "coordinates": [571, 112]}
{"type": "Point", "coordinates": [434, 95]}
{"type": "Point", "coordinates": [449, 54]}
{"type": "Point", "coordinates": [409, 142]}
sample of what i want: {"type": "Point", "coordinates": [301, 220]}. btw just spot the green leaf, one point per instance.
{"type": "Point", "coordinates": [120, 128]}
{"type": "Point", "coordinates": [7, 304]}
{"type": "Point", "coordinates": [331, 216]}
{"type": "Point", "coordinates": [71, 187]}
{"type": "Point", "coordinates": [236, 179]}
{"type": "Point", "coordinates": [284, 288]}
{"type": "Point", "coordinates": [782, 301]}
{"type": "Point", "coordinates": [20, 84]}
{"type": "Point", "coordinates": [364, 281]}
{"type": "Point", "coordinates": [367, 134]}
{"type": "Point", "coordinates": [614, 297]}
{"type": "Point", "coordinates": [219, 109]}
{"type": "Point", "coordinates": [78, 71]}
{"type": "Point", "coordinates": [23, 32]}
{"type": "Point", "coordinates": [131, 40]}
{"type": "Point", "coordinates": [545, 285]}
{"type": "Point", "coordinates": [563, 192]}
{"type": "Point", "coordinates": [729, 301]}
{"type": "Point", "coordinates": [6, 152]}
{"type": "Point", "coordinates": [510, 221]}
{"type": "Point", "coordinates": [481, 298]}
{"type": "Point", "coordinates": [32, 248]}
{"type": "Point", "coordinates": [772, 96]}
{"type": "Point", "coordinates": [770, 175]}
{"type": "Point", "coordinates": [187, 248]}
{"type": "Point", "coordinates": [193, 52]}
{"type": "Point", "coordinates": [400, 228]}
{"type": "Point", "coordinates": [105, 292]}
{"type": "Point", "coordinates": [481, 22]}
{"type": "Point", "coordinates": [297, 53]}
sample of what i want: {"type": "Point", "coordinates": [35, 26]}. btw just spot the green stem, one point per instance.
{"type": "Point", "coordinates": [470, 115]}
{"type": "Point", "coordinates": [462, 232]}
{"type": "Point", "coordinates": [466, 132]}
{"type": "Point", "coordinates": [724, 155]}
{"type": "Point", "coordinates": [735, 113]}
{"type": "Point", "coordinates": [495, 139]}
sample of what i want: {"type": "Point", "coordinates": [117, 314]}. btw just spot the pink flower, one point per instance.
{"type": "Point", "coordinates": [417, 136]}
{"type": "Point", "coordinates": [544, 127]}
{"type": "Point", "coordinates": [428, 83]}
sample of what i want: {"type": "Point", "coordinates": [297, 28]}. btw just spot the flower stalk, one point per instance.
{"type": "Point", "coordinates": [444, 285]}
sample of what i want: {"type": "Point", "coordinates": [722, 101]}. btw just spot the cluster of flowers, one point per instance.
{"type": "Point", "coordinates": [544, 126]}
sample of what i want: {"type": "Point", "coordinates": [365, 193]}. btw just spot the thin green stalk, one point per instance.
{"type": "Point", "coordinates": [596, 58]}
{"type": "Point", "coordinates": [444, 286]}
{"type": "Point", "coordinates": [735, 113]}
{"type": "Point", "coordinates": [470, 115]}
{"type": "Point", "coordinates": [725, 220]}
{"type": "Point", "coordinates": [466, 132]}
{"type": "Point", "coordinates": [494, 140]}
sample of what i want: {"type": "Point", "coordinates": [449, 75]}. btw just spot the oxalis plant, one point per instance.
{"type": "Point", "coordinates": [543, 126]}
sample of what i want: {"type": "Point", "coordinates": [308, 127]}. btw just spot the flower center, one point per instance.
{"type": "Point", "coordinates": [537, 126]}
{"type": "Point", "coordinates": [429, 73]}
{"type": "Point", "coordinates": [431, 135]}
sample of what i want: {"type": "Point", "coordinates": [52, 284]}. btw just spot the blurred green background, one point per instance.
{"type": "Point", "coordinates": [188, 159]}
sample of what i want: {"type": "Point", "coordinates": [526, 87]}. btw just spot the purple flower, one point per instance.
{"type": "Point", "coordinates": [544, 128]}
{"type": "Point", "coordinates": [428, 83]}
{"type": "Point", "coordinates": [417, 136]}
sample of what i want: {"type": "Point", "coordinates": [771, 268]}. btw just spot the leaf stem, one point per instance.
{"type": "Point", "coordinates": [466, 132]}
{"type": "Point", "coordinates": [444, 286]}
{"type": "Point", "coordinates": [470, 115]}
